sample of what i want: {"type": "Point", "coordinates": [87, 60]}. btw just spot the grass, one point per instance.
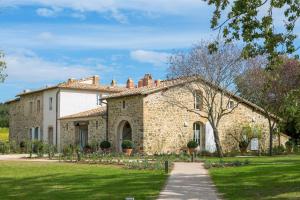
{"type": "Point", "coordinates": [265, 178]}
{"type": "Point", "coordinates": [3, 134]}
{"type": "Point", "coordinates": [37, 180]}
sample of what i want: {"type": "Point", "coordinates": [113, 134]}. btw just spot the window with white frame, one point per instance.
{"type": "Point", "coordinates": [99, 99]}
{"type": "Point", "coordinates": [198, 100]}
{"type": "Point", "coordinates": [197, 132]}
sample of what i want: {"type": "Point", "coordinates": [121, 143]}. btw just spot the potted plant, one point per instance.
{"type": "Point", "coordinates": [289, 146]}
{"type": "Point", "coordinates": [105, 145]}
{"type": "Point", "coordinates": [192, 145]}
{"type": "Point", "coordinates": [127, 147]}
{"type": "Point", "coordinates": [88, 148]}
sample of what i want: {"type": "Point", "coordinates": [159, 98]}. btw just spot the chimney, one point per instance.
{"type": "Point", "coordinates": [130, 84]}
{"type": "Point", "coordinates": [141, 83]}
{"type": "Point", "coordinates": [147, 80]}
{"type": "Point", "coordinates": [113, 83]}
{"type": "Point", "coordinates": [157, 83]}
{"type": "Point", "coordinates": [96, 80]}
{"type": "Point", "coordinates": [71, 80]}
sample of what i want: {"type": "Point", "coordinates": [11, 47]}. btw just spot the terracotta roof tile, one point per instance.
{"type": "Point", "coordinates": [89, 113]}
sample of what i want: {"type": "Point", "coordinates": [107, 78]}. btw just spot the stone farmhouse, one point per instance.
{"type": "Point", "coordinates": [79, 112]}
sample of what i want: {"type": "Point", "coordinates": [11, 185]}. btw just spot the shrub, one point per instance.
{"type": "Point", "coordinates": [4, 147]}
{"type": "Point", "coordinates": [278, 150]}
{"type": "Point", "coordinates": [192, 144]}
{"type": "Point", "coordinates": [105, 145]}
{"type": "Point", "coordinates": [127, 144]}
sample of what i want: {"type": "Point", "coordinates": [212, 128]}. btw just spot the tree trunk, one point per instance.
{"type": "Point", "coordinates": [271, 140]}
{"type": "Point", "coordinates": [218, 143]}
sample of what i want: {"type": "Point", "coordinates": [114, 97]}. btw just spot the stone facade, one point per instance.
{"type": "Point", "coordinates": [69, 128]}
{"type": "Point", "coordinates": [161, 126]}
{"type": "Point", "coordinates": [25, 114]}
{"type": "Point", "coordinates": [128, 109]}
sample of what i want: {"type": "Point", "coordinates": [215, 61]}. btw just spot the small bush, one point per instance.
{"type": "Point", "coordinates": [221, 163]}
{"type": "Point", "coordinates": [105, 145]}
{"type": "Point", "coordinates": [4, 147]}
{"type": "Point", "coordinates": [278, 150]}
{"type": "Point", "coordinates": [127, 144]}
{"type": "Point", "coordinates": [192, 144]}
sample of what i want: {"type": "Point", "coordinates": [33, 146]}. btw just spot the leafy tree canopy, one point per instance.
{"type": "Point", "coordinates": [2, 67]}
{"type": "Point", "coordinates": [3, 115]}
{"type": "Point", "coordinates": [253, 22]}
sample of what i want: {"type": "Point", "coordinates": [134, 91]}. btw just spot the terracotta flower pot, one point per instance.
{"type": "Point", "coordinates": [191, 150]}
{"type": "Point", "coordinates": [127, 151]}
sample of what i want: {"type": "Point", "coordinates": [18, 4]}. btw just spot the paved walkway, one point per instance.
{"type": "Point", "coordinates": [23, 157]}
{"type": "Point", "coordinates": [189, 181]}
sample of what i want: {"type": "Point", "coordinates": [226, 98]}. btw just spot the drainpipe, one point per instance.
{"type": "Point", "coordinates": [56, 117]}
{"type": "Point", "coordinates": [106, 120]}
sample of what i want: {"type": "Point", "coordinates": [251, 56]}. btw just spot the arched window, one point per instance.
{"type": "Point", "coordinates": [198, 100]}
{"type": "Point", "coordinates": [197, 132]}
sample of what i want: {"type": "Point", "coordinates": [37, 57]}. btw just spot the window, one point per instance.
{"type": "Point", "coordinates": [198, 100]}
{"type": "Point", "coordinates": [230, 104]}
{"type": "Point", "coordinates": [50, 135]}
{"type": "Point", "coordinates": [99, 101]}
{"type": "Point", "coordinates": [50, 103]}
{"type": "Point", "coordinates": [30, 107]}
{"type": "Point", "coordinates": [197, 132]}
{"type": "Point", "coordinates": [67, 126]}
{"type": "Point", "coordinates": [38, 106]}
{"type": "Point", "coordinates": [36, 133]}
{"type": "Point", "coordinates": [97, 124]}
{"type": "Point", "coordinates": [123, 104]}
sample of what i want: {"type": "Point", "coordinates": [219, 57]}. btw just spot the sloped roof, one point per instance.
{"type": "Point", "coordinates": [89, 113]}
{"type": "Point", "coordinates": [77, 85]}
{"type": "Point", "coordinates": [176, 82]}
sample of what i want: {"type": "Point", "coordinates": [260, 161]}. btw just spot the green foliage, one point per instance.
{"type": "Point", "coordinates": [244, 133]}
{"type": "Point", "coordinates": [279, 150]}
{"type": "Point", "coordinates": [252, 21]}
{"type": "Point", "coordinates": [127, 144]}
{"type": "Point", "coordinates": [105, 144]}
{"type": "Point", "coordinates": [4, 134]}
{"type": "Point", "coordinates": [192, 144]}
{"type": "Point", "coordinates": [290, 112]}
{"type": "Point", "coordinates": [2, 68]}
{"type": "Point", "coordinates": [221, 163]}
{"type": "Point", "coordinates": [4, 122]}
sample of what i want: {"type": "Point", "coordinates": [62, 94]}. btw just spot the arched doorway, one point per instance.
{"type": "Point", "coordinates": [124, 133]}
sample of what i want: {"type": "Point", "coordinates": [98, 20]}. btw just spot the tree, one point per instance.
{"type": "Point", "coordinates": [253, 22]}
{"type": "Point", "coordinates": [268, 88]}
{"type": "Point", "coordinates": [243, 134]}
{"type": "Point", "coordinates": [213, 74]}
{"type": "Point", "coordinates": [2, 67]}
{"type": "Point", "coordinates": [290, 113]}
{"type": "Point", "coordinates": [3, 115]}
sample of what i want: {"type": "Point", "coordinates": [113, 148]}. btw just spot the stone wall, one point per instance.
{"type": "Point", "coordinates": [22, 119]}
{"type": "Point", "coordinates": [133, 113]}
{"type": "Point", "coordinates": [95, 134]}
{"type": "Point", "coordinates": [168, 126]}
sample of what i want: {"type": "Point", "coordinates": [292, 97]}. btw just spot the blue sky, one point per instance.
{"type": "Point", "coordinates": [48, 41]}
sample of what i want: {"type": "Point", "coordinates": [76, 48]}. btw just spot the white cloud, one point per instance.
{"type": "Point", "coordinates": [47, 12]}
{"type": "Point", "coordinates": [153, 57]}
{"type": "Point", "coordinates": [98, 37]}
{"type": "Point", "coordinates": [118, 16]}
{"type": "Point", "coordinates": [27, 67]}
{"type": "Point", "coordinates": [78, 15]}
{"type": "Point", "coordinates": [159, 6]}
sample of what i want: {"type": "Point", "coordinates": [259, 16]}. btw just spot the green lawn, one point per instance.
{"type": "Point", "coordinates": [3, 134]}
{"type": "Point", "coordinates": [36, 180]}
{"type": "Point", "coordinates": [275, 177]}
